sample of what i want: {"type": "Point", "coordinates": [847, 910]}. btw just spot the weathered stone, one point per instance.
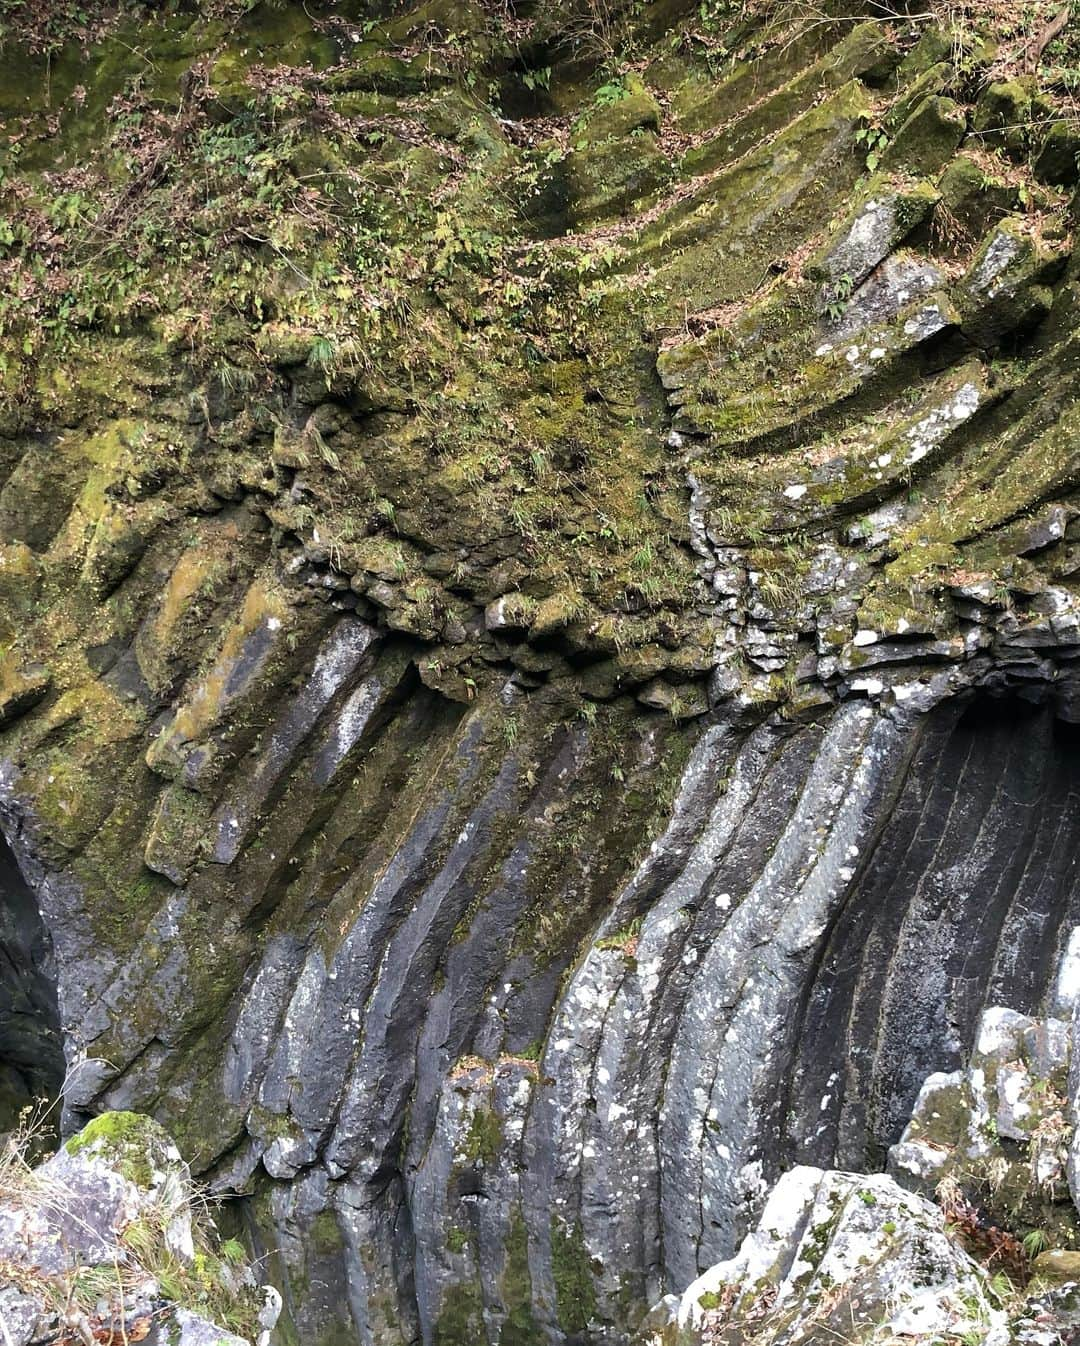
{"type": "Point", "coordinates": [1056, 162]}
{"type": "Point", "coordinates": [838, 1247]}
{"type": "Point", "coordinates": [21, 688]}
{"type": "Point", "coordinates": [179, 834]}
{"type": "Point", "coordinates": [684, 702]}
{"type": "Point", "coordinates": [112, 1206]}
{"type": "Point", "coordinates": [1057, 1264]}
{"type": "Point", "coordinates": [511, 612]}
{"type": "Point", "coordinates": [1004, 289]}
{"type": "Point", "coordinates": [870, 233]}
{"type": "Point", "coordinates": [1002, 114]}
{"type": "Point", "coordinates": [927, 140]}
{"type": "Point", "coordinates": [637, 109]}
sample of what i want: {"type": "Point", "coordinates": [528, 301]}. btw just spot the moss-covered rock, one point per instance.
{"type": "Point", "coordinates": [1059, 154]}
{"type": "Point", "coordinates": [1002, 114]}
{"type": "Point", "coordinates": [616, 403]}
{"type": "Point", "coordinates": [927, 140]}
{"type": "Point", "coordinates": [1006, 289]}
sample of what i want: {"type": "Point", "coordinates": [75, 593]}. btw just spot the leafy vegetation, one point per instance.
{"type": "Point", "coordinates": [466, 224]}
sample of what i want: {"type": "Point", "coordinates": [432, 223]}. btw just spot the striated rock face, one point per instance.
{"type": "Point", "coordinates": [421, 1090]}
{"type": "Point", "coordinates": [538, 623]}
{"type": "Point", "coordinates": [860, 1256]}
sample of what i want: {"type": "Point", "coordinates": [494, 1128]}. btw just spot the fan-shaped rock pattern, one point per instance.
{"type": "Point", "coordinates": [500, 809]}
{"type": "Point", "coordinates": [412, 1066]}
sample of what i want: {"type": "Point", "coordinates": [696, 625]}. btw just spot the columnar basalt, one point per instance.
{"type": "Point", "coordinates": [538, 626]}
{"type": "Point", "coordinates": [857, 1255]}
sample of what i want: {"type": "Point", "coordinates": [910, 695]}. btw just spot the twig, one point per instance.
{"type": "Point", "coordinates": [1042, 40]}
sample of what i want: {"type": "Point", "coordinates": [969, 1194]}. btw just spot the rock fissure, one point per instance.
{"type": "Point", "coordinates": [31, 1044]}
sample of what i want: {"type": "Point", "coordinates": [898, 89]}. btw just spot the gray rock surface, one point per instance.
{"type": "Point", "coordinates": [445, 1120]}
{"type": "Point", "coordinates": [842, 1254]}
{"type": "Point", "coordinates": [105, 1241]}
{"type": "Point", "coordinates": [913, 1253]}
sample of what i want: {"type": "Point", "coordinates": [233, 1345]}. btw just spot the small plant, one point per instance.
{"type": "Point", "coordinates": [1033, 1243]}
{"type": "Point", "coordinates": [839, 297]}
{"type": "Point", "coordinates": [625, 940]}
{"type": "Point", "coordinates": [874, 141]}
{"type": "Point", "coordinates": [537, 79]}
{"type": "Point", "coordinates": [587, 710]}
{"type": "Point", "coordinates": [614, 91]}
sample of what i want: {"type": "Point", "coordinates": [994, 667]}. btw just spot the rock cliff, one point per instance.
{"type": "Point", "coordinates": [538, 613]}
{"type": "Point", "coordinates": [859, 1257]}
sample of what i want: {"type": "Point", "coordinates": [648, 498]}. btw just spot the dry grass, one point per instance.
{"type": "Point", "coordinates": [171, 1245]}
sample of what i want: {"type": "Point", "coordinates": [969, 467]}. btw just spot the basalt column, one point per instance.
{"type": "Point", "coordinates": [963, 902]}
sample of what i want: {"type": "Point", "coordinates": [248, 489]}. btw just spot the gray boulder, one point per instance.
{"type": "Point", "coordinates": [107, 1241]}
{"type": "Point", "coordinates": [845, 1254]}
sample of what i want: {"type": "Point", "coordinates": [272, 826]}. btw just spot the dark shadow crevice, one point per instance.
{"type": "Point", "coordinates": [31, 1052]}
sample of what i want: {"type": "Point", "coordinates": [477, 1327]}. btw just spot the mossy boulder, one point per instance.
{"type": "Point", "coordinates": [178, 834]}
{"type": "Point", "coordinates": [1003, 114]}
{"type": "Point", "coordinates": [135, 1145]}
{"type": "Point", "coordinates": [927, 140]}
{"type": "Point", "coordinates": [1006, 288]}
{"type": "Point", "coordinates": [841, 1254]}
{"type": "Point", "coordinates": [933, 50]}
{"type": "Point", "coordinates": [635, 110]}
{"type": "Point", "coordinates": [937, 79]}
{"type": "Point", "coordinates": [108, 1234]}
{"type": "Point", "coordinates": [608, 178]}
{"type": "Point", "coordinates": [1057, 1265]}
{"type": "Point", "coordinates": [972, 199]}
{"type": "Point", "coordinates": [871, 231]}
{"type": "Point", "coordinates": [1059, 154]}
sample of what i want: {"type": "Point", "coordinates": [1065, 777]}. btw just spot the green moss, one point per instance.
{"type": "Point", "coordinates": [631, 108]}
{"type": "Point", "coordinates": [520, 1327]}
{"type": "Point", "coordinates": [1002, 114]}
{"type": "Point", "coordinates": [483, 1140]}
{"type": "Point", "coordinates": [125, 1139]}
{"type": "Point", "coordinates": [571, 1268]}
{"type": "Point", "coordinates": [926, 141]}
{"type": "Point", "coordinates": [325, 1235]}
{"type": "Point", "coordinates": [178, 836]}
{"type": "Point", "coordinates": [460, 1319]}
